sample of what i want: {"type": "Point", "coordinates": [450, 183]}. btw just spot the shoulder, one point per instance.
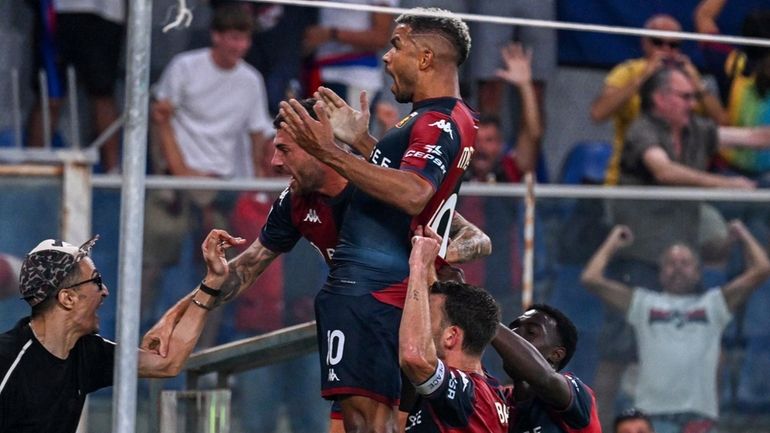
{"type": "Point", "coordinates": [627, 70]}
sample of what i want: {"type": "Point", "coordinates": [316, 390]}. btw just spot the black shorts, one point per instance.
{"type": "Point", "coordinates": [358, 347]}
{"type": "Point", "coordinates": [88, 42]}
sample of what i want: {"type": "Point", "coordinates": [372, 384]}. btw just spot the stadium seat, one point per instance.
{"type": "Point", "coordinates": [586, 163]}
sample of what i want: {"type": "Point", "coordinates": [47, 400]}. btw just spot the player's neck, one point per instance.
{"type": "Point", "coordinates": [333, 186]}
{"type": "Point", "coordinates": [438, 86]}
{"type": "Point", "coordinates": [464, 362]}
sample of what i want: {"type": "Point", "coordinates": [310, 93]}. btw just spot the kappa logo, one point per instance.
{"type": "Point", "coordinates": [332, 377]}
{"type": "Point", "coordinates": [444, 126]}
{"type": "Point", "coordinates": [312, 216]}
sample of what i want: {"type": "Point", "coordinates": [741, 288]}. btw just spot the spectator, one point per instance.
{"type": "Point", "coordinates": [748, 80]}
{"type": "Point", "coordinates": [538, 345]}
{"type": "Point", "coordinates": [492, 162]}
{"type": "Point", "coordinates": [86, 34]}
{"type": "Point", "coordinates": [208, 105]}
{"type": "Point", "coordinates": [492, 37]}
{"type": "Point", "coordinates": [444, 330]}
{"type": "Point", "coordinates": [620, 97]}
{"type": "Point", "coordinates": [679, 330]}
{"type": "Point", "coordinates": [632, 421]}
{"type": "Point", "coordinates": [666, 145]}
{"type": "Point", "coordinates": [346, 45]}
{"type": "Point", "coordinates": [50, 361]}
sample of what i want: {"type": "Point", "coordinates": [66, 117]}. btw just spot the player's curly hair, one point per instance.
{"type": "Point", "coordinates": [448, 26]}
{"type": "Point", "coordinates": [471, 309]}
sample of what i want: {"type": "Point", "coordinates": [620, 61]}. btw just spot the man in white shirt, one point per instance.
{"type": "Point", "coordinates": [209, 115]}
{"type": "Point", "coordinates": [678, 330]}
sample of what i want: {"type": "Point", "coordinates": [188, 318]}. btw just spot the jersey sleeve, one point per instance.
{"type": "Point", "coordinates": [433, 145]}
{"type": "Point", "coordinates": [170, 86]}
{"type": "Point", "coordinates": [578, 413]}
{"type": "Point", "coordinates": [450, 395]}
{"type": "Point", "coordinates": [637, 310]}
{"type": "Point", "coordinates": [279, 233]}
{"type": "Point", "coordinates": [99, 354]}
{"type": "Point", "coordinates": [259, 118]}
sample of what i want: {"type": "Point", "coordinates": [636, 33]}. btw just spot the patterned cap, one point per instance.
{"type": "Point", "coordinates": [47, 265]}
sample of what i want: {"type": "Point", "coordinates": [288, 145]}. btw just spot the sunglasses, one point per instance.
{"type": "Point", "coordinates": [96, 280]}
{"type": "Point", "coordinates": [659, 42]}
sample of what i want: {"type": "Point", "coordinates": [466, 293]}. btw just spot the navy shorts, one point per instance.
{"type": "Point", "coordinates": [358, 347]}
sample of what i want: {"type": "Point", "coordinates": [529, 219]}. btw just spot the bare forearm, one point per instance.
{"type": "Point", "coordinates": [713, 107]}
{"type": "Point", "coordinates": [523, 362]}
{"type": "Point", "coordinates": [675, 174]}
{"type": "Point", "coordinates": [365, 146]}
{"type": "Point", "coordinates": [731, 136]}
{"type": "Point", "coordinates": [417, 354]}
{"type": "Point", "coordinates": [404, 190]}
{"type": "Point", "coordinates": [531, 130]}
{"type": "Point", "coordinates": [467, 243]}
{"type": "Point", "coordinates": [245, 269]}
{"type": "Point", "coordinates": [170, 148]}
{"type": "Point", "coordinates": [612, 99]}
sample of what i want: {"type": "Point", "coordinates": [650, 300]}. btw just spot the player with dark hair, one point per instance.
{"type": "Point", "coordinates": [632, 421]}
{"type": "Point", "coordinates": [535, 349]}
{"type": "Point", "coordinates": [444, 330]}
{"type": "Point", "coordinates": [412, 178]}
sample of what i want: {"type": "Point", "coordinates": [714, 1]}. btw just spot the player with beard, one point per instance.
{"type": "Point", "coordinates": [411, 178]}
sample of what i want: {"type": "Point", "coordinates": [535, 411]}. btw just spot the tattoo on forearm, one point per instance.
{"type": "Point", "coordinates": [244, 270]}
{"type": "Point", "coordinates": [467, 247]}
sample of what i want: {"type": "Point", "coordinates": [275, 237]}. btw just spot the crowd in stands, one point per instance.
{"type": "Point", "coordinates": [674, 123]}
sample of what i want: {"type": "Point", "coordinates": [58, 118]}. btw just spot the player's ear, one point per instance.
{"type": "Point", "coordinates": [426, 58]}
{"type": "Point", "coordinates": [557, 354]}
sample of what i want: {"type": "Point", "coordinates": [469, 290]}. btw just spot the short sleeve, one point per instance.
{"type": "Point", "coordinates": [637, 310]}
{"type": "Point", "coordinates": [717, 307]}
{"type": "Point", "coordinates": [259, 117]}
{"type": "Point", "coordinates": [640, 137]}
{"type": "Point", "coordinates": [170, 86]}
{"type": "Point", "coordinates": [279, 233]}
{"type": "Point", "coordinates": [98, 362]}
{"type": "Point", "coordinates": [433, 145]}
{"type": "Point", "coordinates": [619, 76]}
{"type": "Point", "coordinates": [452, 398]}
{"type": "Point", "coordinates": [578, 413]}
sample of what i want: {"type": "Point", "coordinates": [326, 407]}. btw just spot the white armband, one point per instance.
{"type": "Point", "coordinates": [434, 382]}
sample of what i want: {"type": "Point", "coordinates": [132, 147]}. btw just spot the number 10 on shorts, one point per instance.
{"type": "Point", "coordinates": [335, 346]}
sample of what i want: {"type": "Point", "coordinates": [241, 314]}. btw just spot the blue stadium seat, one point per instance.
{"type": "Point", "coordinates": [586, 163]}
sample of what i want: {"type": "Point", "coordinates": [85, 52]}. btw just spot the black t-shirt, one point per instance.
{"type": "Point", "coordinates": [42, 393]}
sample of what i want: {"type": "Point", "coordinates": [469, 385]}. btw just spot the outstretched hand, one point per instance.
{"type": "Point", "coordinates": [349, 125]}
{"type": "Point", "coordinates": [316, 137]}
{"type": "Point", "coordinates": [213, 249]}
{"type": "Point", "coordinates": [518, 64]}
{"type": "Point", "coordinates": [621, 236]}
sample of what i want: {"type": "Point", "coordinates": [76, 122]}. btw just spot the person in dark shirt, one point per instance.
{"type": "Point", "coordinates": [411, 178]}
{"type": "Point", "coordinates": [50, 361]}
{"type": "Point", "coordinates": [535, 349]}
{"type": "Point", "coordinates": [444, 330]}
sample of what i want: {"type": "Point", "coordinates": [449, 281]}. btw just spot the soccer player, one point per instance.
{"type": "Point", "coordinates": [412, 178]}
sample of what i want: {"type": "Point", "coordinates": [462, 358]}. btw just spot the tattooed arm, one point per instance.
{"type": "Point", "coordinates": [467, 242]}
{"type": "Point", "coordinates": [244, 270]}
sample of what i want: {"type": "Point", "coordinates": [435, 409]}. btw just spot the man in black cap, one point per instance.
{"type": "Point", "coordinates": [52, 359]}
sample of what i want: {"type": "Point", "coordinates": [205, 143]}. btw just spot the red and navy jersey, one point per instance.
{"type": "Point", "coordinates": [313, 216]}
{"type": "Point", "coordinates": [436, 142]}
{"type": "Point", "coordinates": [461, 402]}
{"type": "Point", "coordinates": [580, 416]}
